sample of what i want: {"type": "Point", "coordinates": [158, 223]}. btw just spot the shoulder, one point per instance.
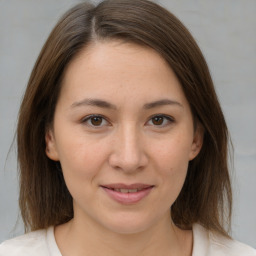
{"type": "Point", "coordinates": [212, 244]}
{"type": "Point", "coordinates": [30, 244]}
{"type": "Point", "coordinates": [231, 247]}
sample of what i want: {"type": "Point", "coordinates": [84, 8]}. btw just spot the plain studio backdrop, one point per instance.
{"type": "Point", "coordinates": [226, 32]}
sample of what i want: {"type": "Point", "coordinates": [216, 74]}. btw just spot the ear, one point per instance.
{"type": "Point", "coordinates": [51, 150]}
{"type": "Point", "coordinates": [197, 141]}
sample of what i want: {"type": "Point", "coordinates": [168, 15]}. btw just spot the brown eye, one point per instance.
{"type": "Point", "coordinates": [157, 120]}
{"type": "Point", "coordinates": [96, 120]}
{"type": "Point", "coordinates": [161, 121]}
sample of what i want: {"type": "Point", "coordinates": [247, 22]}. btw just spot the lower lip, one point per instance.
{"type": "Point", "coordinates": [128, 198]}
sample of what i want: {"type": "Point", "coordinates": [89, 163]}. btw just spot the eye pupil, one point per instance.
{"type": "Point", "coordinates": [96, 120]}
{"type": "Point", "coordinates": [158, 120]}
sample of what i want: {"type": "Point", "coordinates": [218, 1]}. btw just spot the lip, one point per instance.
{"type": "Point", "coordinates": [126, 186]}
{"type": "Point", "coordinates": [127, 198]}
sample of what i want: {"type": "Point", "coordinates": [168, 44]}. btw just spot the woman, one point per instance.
{"type": "Point", "coordinates": [122, 144]}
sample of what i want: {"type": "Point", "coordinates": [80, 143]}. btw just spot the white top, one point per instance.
{"type": "Point", "coordinates": [42, 243]}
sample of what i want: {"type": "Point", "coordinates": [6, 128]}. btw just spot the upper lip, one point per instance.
{"type": "Point", "coordinates": [127, 186]}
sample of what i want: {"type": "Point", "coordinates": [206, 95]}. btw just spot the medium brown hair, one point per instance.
{"type": "Point", "coordinates": [206, 196]}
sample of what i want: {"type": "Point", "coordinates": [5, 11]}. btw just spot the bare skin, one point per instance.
{"type": "Point", "coordinates": [166, 241]}
{"type": "Point", "coordinates": [122, 118]}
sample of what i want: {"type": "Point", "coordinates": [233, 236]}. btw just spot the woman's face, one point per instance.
{"type": "Point", "coordinates": [123, 133]}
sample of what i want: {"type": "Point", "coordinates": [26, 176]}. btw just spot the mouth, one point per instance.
{"type": "Point", "coordinates": [125, 190]}
{"type": "Point", "coordinates": [127, 194]}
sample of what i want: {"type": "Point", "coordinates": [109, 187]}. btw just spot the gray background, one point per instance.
{"type": "Point", "coordinates": [226, 32]}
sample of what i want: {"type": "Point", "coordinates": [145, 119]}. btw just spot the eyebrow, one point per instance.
{"type": "Point", "coordinates": [105, 104]}
{"type": "Point", "coordinates": [162, 102]}
{"type": "Point", "coordinates": [94, 102]}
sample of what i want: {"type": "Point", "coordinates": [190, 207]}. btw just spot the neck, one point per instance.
{"type": "Point", "coordinates": [164, 238]}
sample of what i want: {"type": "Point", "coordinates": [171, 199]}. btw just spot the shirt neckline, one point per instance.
{"type": "Point", "coordinates": [200, 241]}
{"type": "Point", "coordinates": [51, 242]}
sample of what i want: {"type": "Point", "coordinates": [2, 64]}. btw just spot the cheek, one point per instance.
{"type": "Point", "coordinates": [171, 160]}
{"type": "Point", "coordinates": [173, 178]}
{"type": "Point", "coordinates": [81, 160]}
{"type": "Point", "coordinates": [173, 153]}
{"type": "Point", "coordinates": [81, 165]}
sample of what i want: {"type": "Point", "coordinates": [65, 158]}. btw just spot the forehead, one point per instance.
{"type": "Point", "coordinates": [113, 54]}
{"type": "Point", "coordinates": [113, 69]}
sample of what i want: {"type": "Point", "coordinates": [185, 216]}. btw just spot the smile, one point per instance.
{"type": "Point", "coordinates": [127, 194]}
{"type": "Point", "coordinates": [124, 190]}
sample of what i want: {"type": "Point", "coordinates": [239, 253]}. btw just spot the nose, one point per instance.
{"type": "Point", "coordinates": [128, 152]}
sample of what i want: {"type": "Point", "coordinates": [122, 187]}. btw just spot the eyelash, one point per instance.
{"type": "Point", "coordinates": [166, 118]}
{"type": "Point", "coordinates": [89, 119]}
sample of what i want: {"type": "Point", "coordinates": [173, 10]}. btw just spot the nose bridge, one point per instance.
{"type": "Point", "coordinates": [129, 153]}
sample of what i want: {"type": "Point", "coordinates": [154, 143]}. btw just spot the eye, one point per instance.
{"type": "Point", "coordinates": [160, 120]}
{"type": "Point", "coordinates": [95, 121]}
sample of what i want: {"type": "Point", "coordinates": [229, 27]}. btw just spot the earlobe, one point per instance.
{"type": "Point", "coordinates": [197, 141]}
{"type": "Point", "coordinates": [50, 149]}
